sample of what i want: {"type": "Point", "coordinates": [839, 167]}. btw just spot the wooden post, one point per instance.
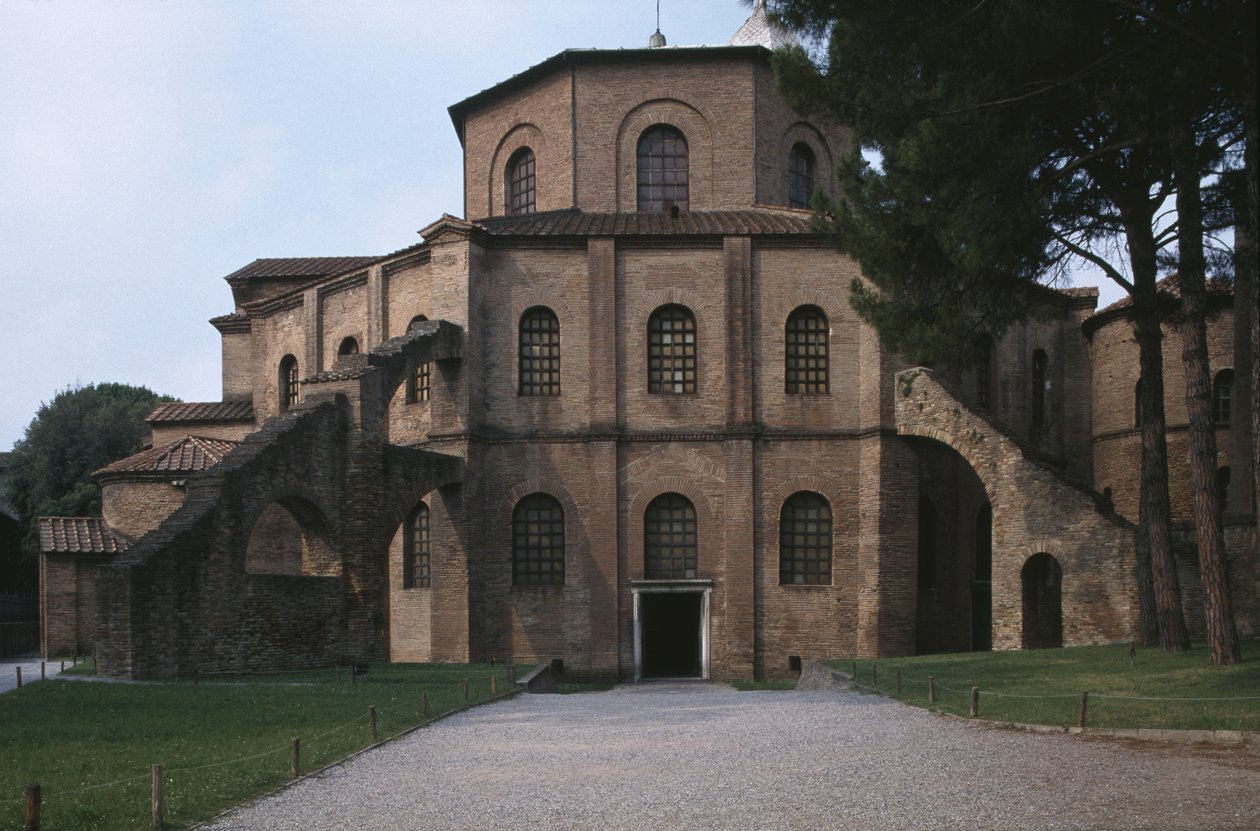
{"type": "Point", "coordinates": [42, 674]}
{"type": "Point", "coordinates": [33, 803]}
{"type": "Point", "coordinates": [372, 721]}
{"type": "Point", "coordinates": [465, 690]}
{"type": "Point", "coordinates": [975, 701]}
{"type": "Point", "coordinates": [19, 677]}
{"type": "Point", "coordinates": [855, 670]}
{"type": "Point", "coordinates": [874, 676]}
{"type": "Point", "coordinates": [493, 685]}
{"type": "Point", "coordinates": [931, 689]}
{"type": "Point", "coordinates": [63, 664]}
{"type": "Point", "coordinates": [1080, 716]}
{"type": "Point", "coordinates": [156, 821]}
{"type": "Point", "coordinates": [295, 758]}
{"type": "Point", "coordinates": [424, 703]}
{"type": "Point", "coordinates": [74, 659]}
{"type": "Point", "coordinates": [898, 682]}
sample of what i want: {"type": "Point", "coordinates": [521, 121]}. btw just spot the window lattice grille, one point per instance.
{"type": "Point", "coordinates": [807, 352]}
{"type": "Point", "coordinates": [672, 351]}
{"type": "Point", "coordinates": [416, 560]}
{"type": "Point", "coordinates": [1223, 397]}
{"type": "Point", "coordinates": [538, 542]}
{"type": "Point", "coordinates": [805, 540]}
{"type": "Point", "coordinates": [800, 176]}
{"type": "Point", "coordinates": [662, 169]}
{"type": "Point", "coordinates": [288, 382]}
{"type": "Point", "coordinates": [520, 182]}
{"type": "Point", "coordinates": [424, 381]}
{"type": "Point", "coordinates": [539, 352]}
{"type": "Point", "coordinates": [669, 538]}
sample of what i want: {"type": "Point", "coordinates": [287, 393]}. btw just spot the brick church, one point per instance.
{"type": "Point", "coordinates": [623, 415]}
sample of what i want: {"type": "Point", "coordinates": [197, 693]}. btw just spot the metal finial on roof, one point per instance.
{"type": "Point", "coordinates": [657, 40]}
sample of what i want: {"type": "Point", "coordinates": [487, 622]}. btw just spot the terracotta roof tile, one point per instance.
{"type": "Point", "coordinates": [78, 535]}
{"type": "Point", "coordinates": [191, 454]}
{"type": "Point", "coordinates": [763, 221]}
{"type": "Point", "coordinates": [177, 412]}
{"type": "Point", "coordinates": [344, 374]}
{"type": "Point", "coordinates": [299, 267]}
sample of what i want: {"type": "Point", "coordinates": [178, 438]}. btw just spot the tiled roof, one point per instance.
{"type": "Point", "coordinates": [758, 30]}
{"type": "Point", "coordinates": [1171, 285]}
{"type": "Point", "coordinates": [344, 374]}
{"type": "Point", "coordinates": [78, 535]}
{"type": "Point", "coordinates": [180, 411]}
{"type": "Point", "coordinates": [230, 317]}
{"type": "Point", "coordinates": [299, 267]}
{"type": "Point", "coordinates": [190, 454]}
{"type": "Point", "coordinates": [688, 223]}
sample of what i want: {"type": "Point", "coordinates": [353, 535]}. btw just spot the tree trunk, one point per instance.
{"type": "Point", "coordinates": [1221, 635]}
{"type": "Point", "coordinates": [1155, 515]}
{"type": "Point", "coordinates": [1148, 617]}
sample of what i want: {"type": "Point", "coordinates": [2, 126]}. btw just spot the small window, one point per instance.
{"type": "Point", "coordinates": [423, 382]}
{"type": "Point", "coordinates": [983, 380]}
{"type": "Point", "coordinates": [288, 382]}
{"type": "Point", "coordinates": [539, 352]}
{"type": "Point", "coordinates": [669, 538]}
{"type": "Point", "coordinates": [414, 322]}
{"type": "Point", "coordinates": [805, 540]}
{"type": "Point", "coordinates": [672, 351]}
{"type": "Point", "coordinates": [349, 346]}
{"type": "Point", "coordinates": [538, 542]}
{"type": "Point", "coordinates": [519, 186]}
{"type": "Point", "coordinates": [800, 175]}
{"type": "Point", "coordinates": [662, 157]}
{"type": "Point", "coordinates": [1222, 397]}
{"type": "Point", "coordinates": [805, 352]}
{"type": "Point", "coordinates": [1039, 362]}
{"type": "Point", "coordinates": [416, 560]}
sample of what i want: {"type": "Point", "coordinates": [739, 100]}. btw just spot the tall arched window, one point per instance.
{"type": "Point", "coordinates": [421, 386]}
{"type": "Point", "coordinates": [1223, 397]}
{"type": "Point", "coordinates": [519, 182]}
{"type": "Point", "coordinates": [672, 350]}
{"type": "Point", "coordinates": [539, 352]}
{"type": "Point", "coordinates": [538, 542]}
{"type": "Point", "coordinates": [349, 346]}
{"type": "Point", "coordinates": [416, 558]}
{"type": "Point", "coordinates": [288, 382]}
{"type": "Point", "coordinates": [805, 349]}
{"type": "Point", "coordinates": [662, 156]}
{"type": "Point", "coordinates": [805, 540]}
{"type": "Point", "coordinates": [800, 175]}
{"type": "Point", "coordinates": [669, 538]}
{"type": "Point", "coordinates": [1039, 362]}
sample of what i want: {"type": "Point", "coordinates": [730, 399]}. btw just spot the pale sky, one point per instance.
{"type": "Point", "coordinates": [148, 148]}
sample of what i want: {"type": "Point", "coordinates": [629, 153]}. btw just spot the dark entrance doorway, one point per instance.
{"type": "Point", "coordinates": [1042, 580]}
{"type": "Point", "coordinates": [670, 625]}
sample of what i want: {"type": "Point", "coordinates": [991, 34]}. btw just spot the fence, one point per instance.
{"type": "Point", "coordinates": [252, 773]}
{"type": "Point", "coordinates": [20, 638]}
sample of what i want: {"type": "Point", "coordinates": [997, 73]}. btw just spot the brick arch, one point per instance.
{"type": "Point", "coordinates": [696, 125]}
{"type": "Point", "coordinates": [550, 298]}
{"type": "Point", "coordinates": [831, 305]}
{"type": "Point", "coordinates": [553, 488]}
{"type": "Point", "coordinates": [317, 545]}
{"type": "Point", "coordinates": [816, 484]}
{"type": "Point", "coordinates": [974, 459]}
{"type": "Point", "coordinates": [668, 484]}
{"type": "Point", "coordinates": [707, 526]}
{"type": "Point", "coordinates": [523, 134]}
{"type": "Point", "coordinates": [701, 306]}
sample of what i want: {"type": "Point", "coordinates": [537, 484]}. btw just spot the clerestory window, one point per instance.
{"type": "Point", "coordinates": [663, 174]}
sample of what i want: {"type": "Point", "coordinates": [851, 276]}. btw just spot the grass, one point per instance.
{"type": "Point", "coordinates": [224, 741]}
{"type": "Point", "coordinates": [1044, 686]}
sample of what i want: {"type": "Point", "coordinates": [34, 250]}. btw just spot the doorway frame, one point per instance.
{"type": "Point", "coordinates": [638, 588]}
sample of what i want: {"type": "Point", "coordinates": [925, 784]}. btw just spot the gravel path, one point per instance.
{"type": "Point", "coordinates": [705, 756]}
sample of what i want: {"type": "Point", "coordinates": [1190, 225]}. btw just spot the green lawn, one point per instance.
{"type": "Point", "coordinates": [91, 745]}
{"type": "Point", "coordinates": [1044, 686]}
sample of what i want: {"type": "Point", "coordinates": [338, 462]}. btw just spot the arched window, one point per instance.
{"type": "Point", "coordinates": [538, 542]}
{"type": "Point", "coordinates": [805, 348]}
{"type": "Point", "coordinates": [669, 538]}
{"type": "Point", "coordinates": [416, 549]}
{"type": "Point", "coordinates": [1222, 397]}
{"type": "Point", "coordinates": [519, 182]}
{"type": "Point", "coordinates": [662, 169]}
{"type": "Point", "coordinates": [539, 354]}
{"type": "Point", "coordinates": [927, 542]}
{"type": "Point", "coordinates": [800, 175]}
{"type": "Point", "coordinates": [672, 350]}
{"type": "Point", "coordinates": [349, 346]}
{"type": "Point", "coordinates": [1039, 362]}
{"type": "Point", "coordinates": [288, 382]}
{"type": "Point", "coordinates": [805, 540]}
